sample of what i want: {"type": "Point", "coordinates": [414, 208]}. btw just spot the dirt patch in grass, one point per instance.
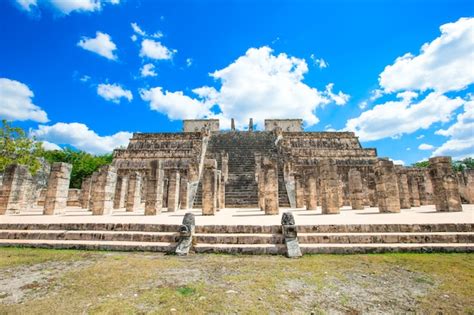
{"type": "Point", "coordinates": [118, 283]}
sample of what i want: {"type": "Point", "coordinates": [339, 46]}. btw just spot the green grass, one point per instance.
{"type": "Point", "coordinates": [129, 283]}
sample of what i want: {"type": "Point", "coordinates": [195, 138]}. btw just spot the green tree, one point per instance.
{"type": "Point", "coordinates": [16, 147]}
{"type": "Point", "coordinates": [422, 164]}
{"type": "Point", "coordinates": [83, 164]}
{"type": "Point", "coordinates": [458, 166]}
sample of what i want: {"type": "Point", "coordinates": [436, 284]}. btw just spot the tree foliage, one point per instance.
{"type": "Point", "coordinates": [83, 164]}
{"type": "Point", "coordinates": [16, 147]}
{"type": "Point", "coordinates": [458, 166]}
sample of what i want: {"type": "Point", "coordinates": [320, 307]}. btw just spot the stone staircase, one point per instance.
{"type": "Point", "coordinates": [244, 239]}
{"type": "Point", "coordinates": [241, 188]}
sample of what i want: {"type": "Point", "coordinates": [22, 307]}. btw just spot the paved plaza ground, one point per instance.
{"type": "Point", "coordinates": [232, 216]}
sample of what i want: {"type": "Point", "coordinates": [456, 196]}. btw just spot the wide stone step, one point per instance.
{"type": "Point", "coordinates": [91, 245]}
{"type": "Point", "coordinates": [129, 236]}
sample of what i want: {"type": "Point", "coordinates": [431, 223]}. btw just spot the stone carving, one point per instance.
{"type": "Point", "coordinates": [387, 187]}
{"type": "Point", "coordinates": [270, 185]}
{"type": "Point", "coordinates": [290, 235]}
{"type": "Point", "coordinates": [356, 190]}
{"type": "Point", "coordinates": [154, 189]}
{"type": "Point", "coordinates": [102, 196]}
{"type": "Point", "coordinates": [446, 190]}
{"type": "Point", "coordinates": [209, 187]}
{"type": "Point", "coordinates": [311, 187]}
{"type": "Point", "coordinates": [186, 232]}
{"type": "Point", "coordinates": [58, 187]}
{"type": "Point", "coordinates": [173, 190]}
{"type": "Point", "coordinates": [329, 187]}
{"type": "Point", "coordinates": [12, 196]}
{"type": "Point", "coordinates": [134, 192]}
{"type": "Point", "coordinates": [86, 192]}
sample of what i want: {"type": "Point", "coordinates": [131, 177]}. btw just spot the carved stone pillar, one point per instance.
{"type": "Point", "coordinates": [58, 187]}
{"type": "Point", "coordinates": [403, 190]}
{"type": "Point", "coordinates": [270, 177]}
{"type": "Point", "coordinates": [387, 187]}
{"type": "Point", "coordinates": [299, 191]}
{"type": "Point", "coordinates": [154, 189]}
{"type": "Point", "coordinates": [311, 187]}
{"type": "Point", "coordinates": [329, 187]}
{"type": "Point", "coordinates": [120, 192]}
{"type": "Point", "coordinates": [183, 193]}
{"type": "Point", "coordinates": [103, 189]}
{"type": "Point", "coordinates": [209, 193]}
{"type": "Point", "coordinates": [356, 190]}
{"type": "Point", "coordinates": [12, 199]}
{"type": "Point", "coordinates": [134, 192]}
{"type": "Point", "coordinates": [218, 190]}
{"type": "Point", "coordinates": [445, 185]}
{"type": "Point", "coordinates": [173, 191]}
{"type": "Point", "coordinates": [86, 192]}
{"type": "Point", "coordinates": [413, 190]}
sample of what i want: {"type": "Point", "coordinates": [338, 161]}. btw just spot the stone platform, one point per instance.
{"type": "Point", "coordinates": [246, 231]}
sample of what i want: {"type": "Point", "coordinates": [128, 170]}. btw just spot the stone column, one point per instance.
{"type": "Point", "coordinates": [445, 185]}
{"type": "Point", "coordinates": [103, 189]}
{"type": "Point", "coordinates": [154, 189]}
{"type": "Point", "coordinates": [404, 192]}
{"type": "Point", "coordinates": [311, 188]}
{"type": "Point", "coordinates": [134, 192]}
{"type": "Point", "coordinates": [260, 182]}
{"type": "Point", "coordinates": [386, 186]}
{"type": "Point", "coordinates": [218, 190]}
{"type": "Point", "coordinates": [299, 191]}
{"type": "Point", "coordinates": [356, 190]}
{"type": "Point", "coordinates": [329, 187]}
{"type": "Point", "coordinates": [120, 192]}
{"type": "Point", "coordinates": [270, 178]}
{"type": "Point", "coordinates": [12, 200]}
{"type": "Point", "coordinates": [183, 193]}
{"type": "Point", "coordinates": [58, 187]}
{"type": "Point", "coordinates": [413, 190]}
{"type": "Point", "coordinates": [86, 192]}
{"type": "Point", "coordinates": [222, 193]}
{"type": "Point", "coordinates": [173, 191]}
{"type": "Point", "coordinates": [209, 194]}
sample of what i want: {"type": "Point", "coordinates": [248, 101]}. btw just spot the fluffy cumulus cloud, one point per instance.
{"type": "Point", "coordinates": [319, 62]}
{"type": "Point", "coordinates": [445, 64]}
{"type": "Point", "coordinates": [114, 92]}
{"type": "Point", "coordinates": [66, 6]}
{"type": "Point", "coordinates": [257, 85]}
{"type": "Point", "coordinates": [80, 137]}
{"type": "Point", "coordinates": [155, 50]}
{"type": "Point", "coordinates": [175, 105]}
{"type": "Point", "coordinates": [49, 146]}
{"type": "Point", "coordinates": [102, 45]}
{"type": "Point", "coordinates": [461, 135]}
{"type": "Point", "coordinates": [148, 70]}
{"type": "Point", "coordinates": [16, 102]}
{"type": "Point", "coordinates": [404, 116]}
{"type": "Point", "coordinates": [425, 147]}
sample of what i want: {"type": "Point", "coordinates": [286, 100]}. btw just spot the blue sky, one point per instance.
{"type": "Point", "coordinates": [87, 73]}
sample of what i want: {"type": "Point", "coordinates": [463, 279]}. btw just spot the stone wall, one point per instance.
{"type": "Point", "coordinates": [198, 125]}
{"type": "Point", "coordinates": [287, 125]}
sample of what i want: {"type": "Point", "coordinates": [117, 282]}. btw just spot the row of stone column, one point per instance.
{"type": "Point", "coordinates": [395, 188]}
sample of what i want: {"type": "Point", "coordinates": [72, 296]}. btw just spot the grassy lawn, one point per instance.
{"type": "Point", "coordinates": [36, 281]}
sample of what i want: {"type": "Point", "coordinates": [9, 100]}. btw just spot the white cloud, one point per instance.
{"type": "Point", "coordinates": [363, 104]}
{"type": "Point", "coordinates": [85, 78]}
{"type": "Point", "coordinates": [189, 62]}
{"type": "Point", "coordinates": [398, 162]}
{"type": "Point", "coordinates": [49, 146]}
{"type": "Point", "coordinates": [260, 85]}
{"type": "Point", "coordinates": [425, 147]}
{"type": "Point", "coordinates": [148, 70]}
{"type": "Point", "coordinates": [114, 92]}
{"type": "Point", "coordinates": [67, 6]}
{"type": "Point", "coordinates": [81, 137]}
{"type": "Point", "coordinates": [420, 137]}
{"type": "Point", "coordinates": [175, 105]}
{"type": "Point", "coordinates": [319, 62]}
{"type": "Point", "coordinates": [134, 38]}
{"type": "Point", "coordinates": [375, 94]}
{"type": "Point", "coordinates": [461, 135]}
{"type": "Point", "coordinates": [395, 118]}
{"type": "Point", "coordinates": [339, 98]}
{"type": "Point", "coordinates": [445, 64]}
{"type": "Point", "coordinates": [16, 102]}
{"type": "Point", "coordinates": [155, 50]}
{"type": "Point", "coordinates": [137, 29]}
{"type": "Point", "coordinates": [102, 44]}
